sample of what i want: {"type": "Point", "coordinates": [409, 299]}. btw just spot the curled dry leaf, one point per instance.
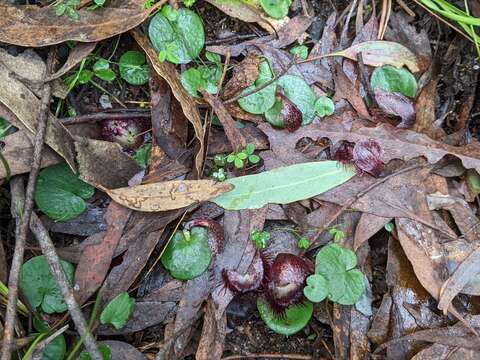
{"type": "Point", "coordinates": [398, 105]}
{"type": "Point", "coordinates": [39, 26]}
{"type": "Point", "coordinates": [169, 73]}
{"type": "Point", "coordinates": [167, 195]}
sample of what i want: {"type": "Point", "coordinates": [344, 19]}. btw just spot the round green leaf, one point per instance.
{"type": "Point", "coordinates": [182, 38]}
{"type": "Point", "coordinates": [106, 75]}
{"type": "Point", "coordinates": [324, 106]}
{"type": "Point", "coordinates": [333, 259]}
{"type": "Point", "coordinates": [392, 79]}
{"type": "Point", "coordinates": [254, 159]}
{"type": "Point", "coordinates": [292, 321]}
{"type": "Point", "coordinates": [276, 9]}
{"type": "Point", "coordinates": [346, 288]}
{"type": "Point", "coordinates": [187, 255]}
{"type": "Point", "coordinates": [133, 68]}
{"type": "Point", "coordinates": [192, 81]}
{"type": "Point", "coordinates": [40, 287]}
{"type": "Point", "coordinates": [316, 289]}
{"type": "Point", "coordinates": [101, 64]}
{"type": "Point", "coordinates": [85, 76]}
{"type": "Point", "coordinates": [60, 193]}
{"type": "Point", "coordinates": [260, 101]}
{"type": "Point", "coordinates": [299, 92]}
{"type": "Point", "coordinates": [56, 349]}
{"type": "Point", "coordinates": [118, 310]}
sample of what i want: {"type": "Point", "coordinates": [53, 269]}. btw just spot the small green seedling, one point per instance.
{"type": "Point", "coordinates": [61, 194]}
{"type": "Point", "coordinates": [56, 349]}
{"type": "Point", "coordinates": [338, 235]}
{"type": "Point", "coordinates": [336, 277]}
{"type": "Point", "coordinates": [261, 238]}
{"type": "Point", "coordinates": [68, 7]}
{"type": "Point", "coordinates": [303, 243]}
{"type": "Point", "coordinates": [390, 227]}
{"type": "Point", "coordinates": [324, 106]}
{"type": "Point", "coordinates": [40, 287]}
{"type": "Point", "coordinates": [300, 50]}
{"type": "Point", "coordinates": [276, 9]}
{"type": "Point", "coordinates": [118, 311]}
{"type": "Point", "coordinates": [187, 254]}
{"type": "Point", "coordinates": [177, 35]}
{"type": "Point", "coordinates": [392, 79]}
{"type": "Point", "coordinates": [219, 175]}
{"type": "Point", "coordinates": [104, 350]}
{"type": "Point", "coordinates": [294, 319]}
{"type": "Point", "coordinates": [238, 158]}
{"type": "Point", "coordinates": [201, 78]}
{"type": "Point", "coordinates": [133, 68]}
{"type": "Point", "coordinates": [142, 155]}
{"type": "Point", "coordinates": [101, 69]}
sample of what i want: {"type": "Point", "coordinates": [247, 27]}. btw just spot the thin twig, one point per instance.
{"type": "Point", "coordinates": [273, 356]}
{"type": "Point", "coordinates": [96, 117]}
{"type": "Point", "coordinates": [23, 216]}
{"type": "Point", "coordinates": [38, 352]}
{"type": "Point", "coordinates": [364, 78]}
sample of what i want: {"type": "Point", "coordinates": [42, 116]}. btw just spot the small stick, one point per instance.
{"type": "Point", "coordinates": [23, 216]}
{"type": "Point", "coordinates": [96, 117]}
{"type": "Point", "coordinates": [406, 8]}
{"type": "Point", "coordinates": [364, 78]}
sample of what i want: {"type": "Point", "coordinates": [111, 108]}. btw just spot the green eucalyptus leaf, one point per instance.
{"type": "Point", "coordinates": [283, 185]}
{"type": "Point", "coordinates": [392, 79]}
{"type": "Point", "coordinates": [183, 37]}
{"type": "Point", "coordinates": [133, 68]}
{"type": "Point", "coordinates": [276, 9]}
{"type": "Point", "coordinates": [324, 106]}
{"type": "Point", "coordinates": [299, 92]}
{"type": "Point", "coordinates": [60, 194]}
{"type": "Point", "coordinates": [118, 310]}
{"type": "Point", "coordinates": [187, 255]}
{"type": "Point", "coordinates": [40, 287]}
{"type": "Point", "coordinates": [292, 321]}
{"type": "Point", "coordinates": [317, 288]}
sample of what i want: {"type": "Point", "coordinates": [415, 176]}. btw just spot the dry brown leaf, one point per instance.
{"type": "Point", "coordinates": [368, 225]}
{"type": "Point", "coordinates": [169, 73]}
{"type": "Point", "coordinates": [344, 89]}
{"type": "Point", "coordinates": [23, 103]}
{"type": "Point", "coordinates": [103, 164]}
{"type": "Point", "coordinates": [425, 106]}
{"type": "Point", "coordinates": [35, 26]}
{"type": "Point", "coordinates": [76, 55]}
{"type": "Point", "coordinates": [396, 143]}
{"type": "Point", "coordinates": [235, 137]}
{"type": "Point", "coordinates": [167, 195]}
{"type": "Point", "coordinates": [244, 75]}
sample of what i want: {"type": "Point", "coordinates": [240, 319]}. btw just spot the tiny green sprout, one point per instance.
{"type": "Point", "coordinates": [68, 7]}
{"type": "Point", "coordinates": [338, 235]}
{"type": "Point", "coordinates": [261, 238]}
{"type": "Point", "coordinates": [148, 4]}
{"type": "Point", "coordinates": [238, 158]}
{"type": "Point", "coordinates": [389, 227]}
{"type": "Point", "coordinates": [220, 160]}
{"type": "Point", "coordinates": [300, 50]}
{"type": "Point", "coordinates": [303, 243]}
{"type": "Point", "coordinates": [219, 175]}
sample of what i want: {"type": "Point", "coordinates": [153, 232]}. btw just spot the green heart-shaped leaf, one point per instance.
{"type": "Point", "coordinates": [392, 79]}
{"type": "Point", "coordinates": [118, 310]}
{"type": "Point", "coordinates": [316, 289]}
{"type": "Point", "coordinates": [60, 193]}
{"type": "Point", "coordinates": [276, 9]}
{"type": "Point", "coordinates": [39, 285]}
{"type": "Point", "coordinates": [188, 254]}
{"type": "Point", "coordinates": [324, 106]}
{"type": "Point", "coordinates": [133, 68]}
{"type": "Point", "coordinates": [299, 92]}
{"type": "Point", "coordinates": [292, 321]}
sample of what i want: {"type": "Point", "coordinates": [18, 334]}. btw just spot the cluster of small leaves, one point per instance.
{"type": "Point", "coordinates": [338, 235]}
{"type": "Point", "coordinates": [261, 238]}
{"type": "Point", "coordinates": [118, 311]}
{"type": "Point", "coordinates": [293, 87]}
{"type": "Point", "coordinates": [276, 9]}
{"type": "Point", "coordinates": [68, 7]}
{"type": "Point", "coordinates": [177, 35]}
{"type": "Point", "coordinates": [60, 194]}
{"type": "Point", "coordinates": [303, 243]}
{"type": "Point", "coordinates": [238, 159]}
{"type": "Point", "coordinates": [203, 77]}
{"type": "Point", "coordinates": [336, 277]}
{"type": "Point", "coordinates": [40, 287]}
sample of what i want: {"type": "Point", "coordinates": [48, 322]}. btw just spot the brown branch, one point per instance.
{"type": "Point", "coordinates": [23, 217]}
{"type": "Point", "coordinates": [96, 117]}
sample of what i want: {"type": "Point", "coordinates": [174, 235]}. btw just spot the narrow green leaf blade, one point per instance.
{"type": "Point", "coordinates": [283, 185]}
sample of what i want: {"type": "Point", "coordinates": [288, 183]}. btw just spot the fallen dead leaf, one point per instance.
{"type": "Point", "coordinates": [169, 73]}
{"type": "Point", "coordinates": [244, 75]}
{"type": "Point", "coordinates": [425, 106]}
{"type": "Point", "coordinates": [398, 105]}
{"type": "Point", "coordinates": [344, 89]}
{"type": "Point", "coordinates": [167, 195]}
{"type": "Point", "coordinates": [31, 25]}
{"type": "Point", "coordinates": [76, 55]}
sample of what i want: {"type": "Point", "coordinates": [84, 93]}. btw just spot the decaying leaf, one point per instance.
{"type": "Point", "coordinates": [169, 73]}
{"type": "Point", "coordinates": [167, 195]}
{"type": "Point", "coordinates": [30, 25]}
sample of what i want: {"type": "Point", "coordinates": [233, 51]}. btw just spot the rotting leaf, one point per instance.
{"type": "Point", "coordinates": [379, 53]}
{"type": "Point", "coordinates": [167, 195]}
{"type": "Point", "coordinates": [31, 25]}
{"type": "Point", "coordinates": [40, 287]}
{"type": "Point", "coordinates": [60, 193]}
{"type": "Point", "coordinates": [283, 185]}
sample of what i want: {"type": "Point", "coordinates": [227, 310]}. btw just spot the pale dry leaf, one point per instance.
{"type": "Point", "coordinates": [168, 195]}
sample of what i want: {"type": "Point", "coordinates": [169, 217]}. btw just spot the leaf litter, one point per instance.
{"type": "Point", "coordinates": [336, 140]}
